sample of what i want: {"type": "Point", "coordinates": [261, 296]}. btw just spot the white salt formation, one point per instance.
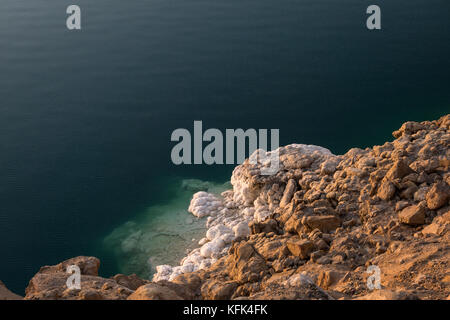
{"type": "Point", "coordinates": [253, 199]}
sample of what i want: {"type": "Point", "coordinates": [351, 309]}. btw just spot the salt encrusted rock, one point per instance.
{"type": "Point", "coordinates": [298, 280]}
{"type": "Point", "coordinates": [212, 249]}
{"type": "Point", "coordinates": [241, 230]}
{"type": "Point", "coordinates": [205, 204]}
{"type": "Point", "coordinates": [247, 179]}
{"type": "Point", "coordinates": [249, 211]}
{"type": "Point", "coordinates": [163, 272]}
{"type": "Point", "coordinates": [254, 196]}
{"type": "Point", "coordinates": [262, 213]}
{"type": "Point", "coordinates": [217, 231]}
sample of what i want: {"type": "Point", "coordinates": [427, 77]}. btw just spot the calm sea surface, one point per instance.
{"type": "Point", "coordinates": [86, 116]}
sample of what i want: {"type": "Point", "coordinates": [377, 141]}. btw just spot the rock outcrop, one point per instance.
{"type": "Point", "coordinates": [50, 283]}
{"type": "Point", "coordinates": [317, 229]}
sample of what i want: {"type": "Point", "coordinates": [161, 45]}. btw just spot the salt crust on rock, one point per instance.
{"type": "Point", "coordinates": [253, 198]}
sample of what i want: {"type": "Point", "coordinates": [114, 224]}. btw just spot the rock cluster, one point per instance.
{"type": "Point", "coordinates": [327, 218]}
{"type": "Point", "coordinates": [312, 230]}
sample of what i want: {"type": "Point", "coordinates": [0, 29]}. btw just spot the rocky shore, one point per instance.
{"type": "Point", "coordinates": [321, 228]}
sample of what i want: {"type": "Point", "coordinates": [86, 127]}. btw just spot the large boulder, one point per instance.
{"type": "Point", "coordinates": [50, 283]}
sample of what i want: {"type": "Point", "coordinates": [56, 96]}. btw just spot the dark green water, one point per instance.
{"type": "Point", "coordinates": [86, 116]}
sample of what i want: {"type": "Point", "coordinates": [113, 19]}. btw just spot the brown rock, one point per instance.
{"type": "Point", "coordinates": [398, 170]}
{"type": "Point", "coordinates": [219, 290]}
{"type": "Point", "coordinates": [271, 250]}
{"type": "Point", "coordinates": [245, 264]}
{"type": "Point", "coordinates": [50, 283]}
{"type": "Point", "coordinates": [385, 294]}
{"type": "Point", "coordinates": [88, 265]}
{"type": "Point", "coordinates": [409, 191]}
{"type": "Point", "coordinates": [154, 291]}
{"type": "Point", "coordinates": [409, 128]}
{"type": "Point", "coordinates": [323, 223]}
{"type": "Point", "coordinates": [386, 190]}
{"type": "Point", "coordinates": [132, 281]}
{"type": "Point", "coordinates": [329, 277]}
{"type": "Point", "coordinates": [439, 226]}
{"type": "Point", "coordinates": [90, 294]}
{"type": "Point", "coordinates": [267, 226]}
{"type": "Point", "coordinates": [181, 290]}
{"type": "Point", "coordinates": [322, 245]}
{"type": "Point", "coordinates": [288, 192]}
{"type": "Point", "coordinates": [189, 280]}
{"type": "Point", "coordinates": [316, 255]}
{"type": "Point", "coordinates": [301, 248]}
{"type": "Point", "coordinates": [438, 195]}
{"type": "Point", "coordinates": [412, 215]}
{"type": "Point", "coordinates": [293, 224]}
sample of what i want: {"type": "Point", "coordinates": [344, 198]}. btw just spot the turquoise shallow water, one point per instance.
{"type": "Point", "coordinates": [86, 117]}
{"type": "Point", "coordinates": [163, 233]}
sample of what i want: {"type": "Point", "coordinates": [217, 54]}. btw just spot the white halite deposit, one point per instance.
{"type": "Point", "coordinates": [254, 197]}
